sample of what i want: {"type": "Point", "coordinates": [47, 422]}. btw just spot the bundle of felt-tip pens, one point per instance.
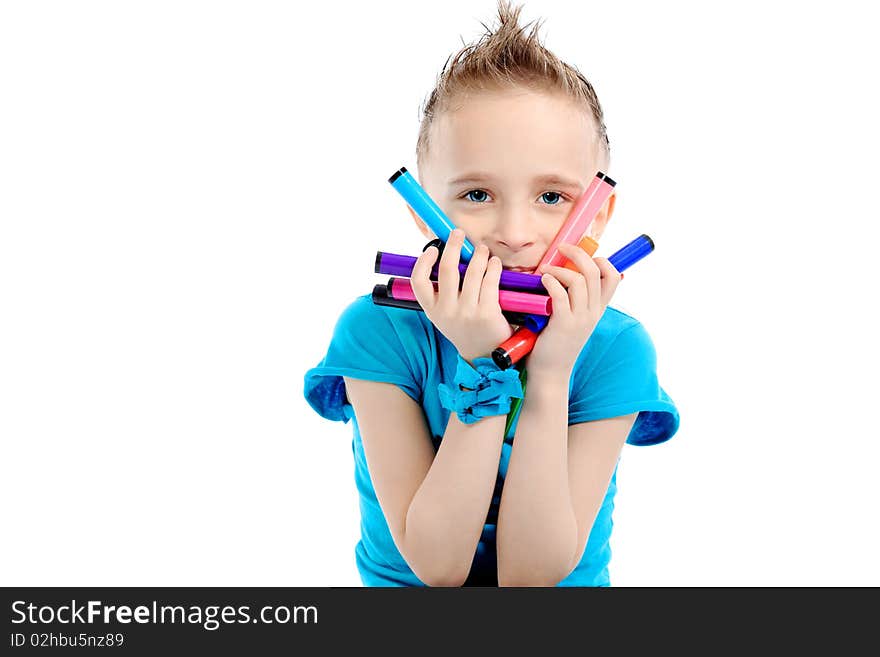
{"type": "Point", "coordinates": [522, 296]}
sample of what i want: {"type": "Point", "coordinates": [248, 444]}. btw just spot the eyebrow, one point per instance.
{"type": "Point", "coordinates": [546, 179]}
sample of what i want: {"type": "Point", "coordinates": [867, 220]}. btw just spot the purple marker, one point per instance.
{"type": "Point", "coordinates": [394, 264]}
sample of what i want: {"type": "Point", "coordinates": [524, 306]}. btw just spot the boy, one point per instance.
{"type": "Point", "coordinates": [510, 139]}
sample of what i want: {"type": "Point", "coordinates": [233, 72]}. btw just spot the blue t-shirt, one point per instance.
{"type": "Point", "coordinates": [615, 374]}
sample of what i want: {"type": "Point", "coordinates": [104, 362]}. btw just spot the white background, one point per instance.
{"type": "Point", "coordinates": [176, 178]}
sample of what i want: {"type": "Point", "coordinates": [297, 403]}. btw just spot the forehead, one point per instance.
{"type": "Point", "coordinates": [514, 133]}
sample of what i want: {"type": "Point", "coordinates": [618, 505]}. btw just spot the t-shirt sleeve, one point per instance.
{"type": "Point", "coordinates": [369, 342]}
{"type": "Point", "coordinates": [624, 381]}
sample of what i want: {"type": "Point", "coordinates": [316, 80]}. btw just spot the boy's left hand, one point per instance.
{"type": "Point", "coordinates": [579, 301]}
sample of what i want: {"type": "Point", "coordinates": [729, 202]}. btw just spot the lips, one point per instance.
{"type": "Point", "coordinates": [520, 269]}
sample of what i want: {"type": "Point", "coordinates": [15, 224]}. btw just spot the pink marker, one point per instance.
{"type": "Point", "coordinates": [509, 300]}
{"type": "Point", "coordinates": [582, 215]}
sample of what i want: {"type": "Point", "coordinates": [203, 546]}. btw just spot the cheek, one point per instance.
{"type": "Point", "coordinates": [475, 230]}
{"type": "Point", "coordinates": [548, 234]}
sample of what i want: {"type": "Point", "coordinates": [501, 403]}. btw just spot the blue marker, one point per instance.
{"type": "Point", "coordinates": [630, 254]}
{"type": "Point", "coordinates": [621, 259]}
{"type": "Point", "coordinates": [429, 212]}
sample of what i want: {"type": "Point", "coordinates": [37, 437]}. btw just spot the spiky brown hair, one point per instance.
{"type": "Point", "coordinates": [504, 59]}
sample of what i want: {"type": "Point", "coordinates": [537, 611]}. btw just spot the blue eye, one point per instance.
{"type": "Point", "coordinates": [479, 196]}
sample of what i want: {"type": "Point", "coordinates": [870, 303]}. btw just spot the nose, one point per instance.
{"type": "Point", "coordinates": [514, 229]}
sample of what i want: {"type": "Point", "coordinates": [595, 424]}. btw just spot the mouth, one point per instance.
{"type": "Point", "coordinates": [527, 270]}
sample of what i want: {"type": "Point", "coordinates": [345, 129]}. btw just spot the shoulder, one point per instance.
{"type": "Point", "coordinates": [370, 321]}
{"type": "Point", "coordinates": [362, 312]}
{"type": "Point", "coordinates": [373, 343]}
{"type": "Point", "coordinates": [397, 338]}
{"type": "Point", "coordinates": [614, 322]}
{"type": "Point", "coordinates": [618, 335]}
{"type": "Point", "coordinates": [616, 374]}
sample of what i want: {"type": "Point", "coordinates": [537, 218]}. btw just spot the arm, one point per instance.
{"type": "Point", "coordinates": [557, 476]}
{"type": "Point", "coordinates": [556, 481]}
{"type": "Point", "coordinates": [435, 506]}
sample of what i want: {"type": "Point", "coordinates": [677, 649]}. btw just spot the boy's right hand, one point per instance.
{"type": "Point", "coordinates": [470, 319]}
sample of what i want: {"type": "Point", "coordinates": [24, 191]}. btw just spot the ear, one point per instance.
{"type": "Point", "coordinates": [421, 225]}
{"type": "Point", "coordinates": [603, 217]}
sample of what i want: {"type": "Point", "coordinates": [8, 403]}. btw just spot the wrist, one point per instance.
{"type": "Point", "coordinates": [471, 356]}
{"type": "Point", "coordinates": [548, 396]}
{"type": "Point", "coordinates": [480, 389]}
{"type": "Point", "coordinates": [552, 378]}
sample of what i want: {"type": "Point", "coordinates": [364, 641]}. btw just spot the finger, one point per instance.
{"type": "Point", "coordinates": [489, 287]}
{"type": "Point", "coordinates": [587, 267]}
{"type": "Point", "coordinates": [578, 258]}
{"type": "Point", "coordinates": [448, 278]}
{"type": "Point", "coordinates": [594, 286]}
{"type": "Point", "coordinates": [420, 279]}
{"type": "Point", "coordinates": [574, 284]}
{"type": "Point", "coordinates": [473, 276]}
{"type": "Point", "coordinates": [610, 279]}
{"type": "Point", "coordinates": [558, 294]}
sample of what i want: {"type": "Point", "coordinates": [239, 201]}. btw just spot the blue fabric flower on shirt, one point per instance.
{"type": "Point", "coordinates": [481, 390]}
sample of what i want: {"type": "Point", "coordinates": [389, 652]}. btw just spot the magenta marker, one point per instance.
{"type": "Point", "coordinates": [394, 264]}
{"type": "Point", "coordinates": [518, 302]}
{"type": "Point", "coordinates": [582, 214]}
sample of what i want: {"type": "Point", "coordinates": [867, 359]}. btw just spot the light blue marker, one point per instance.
{"type": "Point", "coordinates": [429, 212]}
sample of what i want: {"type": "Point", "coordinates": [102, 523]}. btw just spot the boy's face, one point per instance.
{"type": "Point", "coordinates": [485, 165]}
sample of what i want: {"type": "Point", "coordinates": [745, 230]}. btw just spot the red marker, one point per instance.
{"type": "Point", "coordinates": [515, 348]}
